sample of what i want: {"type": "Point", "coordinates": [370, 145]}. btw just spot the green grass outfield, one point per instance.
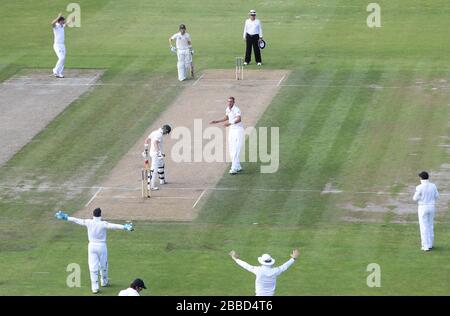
{"type": "Point", "coordinates": [346, 117]}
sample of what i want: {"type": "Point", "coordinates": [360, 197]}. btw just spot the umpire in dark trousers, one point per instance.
{"type": "Point", "coordinates": [252, 34]}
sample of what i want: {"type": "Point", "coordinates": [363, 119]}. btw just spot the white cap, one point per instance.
{"type": "Point", "coordinates": [252, 12]}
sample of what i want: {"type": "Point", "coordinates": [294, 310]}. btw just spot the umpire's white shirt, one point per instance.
{"type": "Point", "coordinates": [266, 276]}
{"type": "Point", "coordinates": [129, 292]}
{"type": "Point", "coordinates": [96, 228]}
{"type": "Point", "coordinates": [182, 40]}
{"type": "Point", "coordinates": [156, 136]}
{"type": "Point", "coordinates": [232, 115]}
{"type": "Point", "coordinates": [58, 31]}
{"type": "Point", "coordinates": [253, 27]}
{"type": "Point", "coordinates": [426, 193]}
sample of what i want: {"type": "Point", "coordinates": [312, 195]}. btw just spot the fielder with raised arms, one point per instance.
{"type": "Point", "coordinates": [97, 251]}
{"type": "Point", "coordinates": [184, 52]}
{"type": "Point", "coordinates": [156, 154]}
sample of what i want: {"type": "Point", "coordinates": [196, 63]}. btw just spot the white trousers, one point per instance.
{"type": "Point", "coordinates": [60, 50]}
{"type": "Point", "coordinates": [235, 139]}
{"type": "Point", "coordinates": [426, 218]}
{"type": "Point", "coordinates": [184, 63]}
{"type": "Point", "coordinates": [98, 262]}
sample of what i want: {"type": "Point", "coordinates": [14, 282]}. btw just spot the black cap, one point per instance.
{"type": "Point", "coordinates": [182, 26]}
{"type": "Point", "coordinates": [166, 129]}
{"type": "Point", "coordinates": [97, 212]}
{"type": "Point", "coordinates": [61, 18]}
{"type": "Point", "coordinates": [424, 175]}
{"type": "Point", "coordinates": [138, 283]}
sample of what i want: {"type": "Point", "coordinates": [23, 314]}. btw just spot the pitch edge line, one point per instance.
{"type": "Point", "coordinates": [198, 200]}
{"type": "Point", "coordinates": [196, 81]}
{"type": "Point", "coordinates": [281, 80]}
{"type": "Point", "coordinates": [95, 195]}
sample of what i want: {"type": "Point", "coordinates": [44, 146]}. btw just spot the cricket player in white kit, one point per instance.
{"type": "Point", "coordinates": [266, 275]}
{"type": "Point", "coordinates": [135, 287]}
{"type": "Point", "coordinates": [58, 25]}
{"type": "Point", "coordinates": [426, 195]}
{"type": "Point", "coordinates": [97, 251]}
{"type": "Point", "coordinates": [184, 52]}
{"type": "Point", "coordinates": [235, 134]}
{"type": "Point", "coordinates": [157, 169]}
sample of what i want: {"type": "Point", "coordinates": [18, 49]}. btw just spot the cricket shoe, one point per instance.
{"type": "Point", "coordinates": [59, 76]}
{"type": "Point", "coordinates": [95, 291]}
{"type": "Point", "coordinates": [245, 64]}
{"type": "Point", "coordinates": [259, 64]}
{"type": "Point", "coordinates": [162, 182]}
{"type": "Point", "coordinates": [239, 170]}
{"type": "Point", "coordinates": [233, 172]}
{"type": "Point", "coordinates": [425, 249]}
{"type": "Point", "coordinates": [154, 189]}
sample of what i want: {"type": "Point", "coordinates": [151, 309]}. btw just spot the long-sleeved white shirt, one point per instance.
{"type": "Point", "coordinates": [253, 27]}
{"type": "Point", "coordinates": [426, 193]}
{"type": "Point", "coordinates": [266, 276]}
{"type": "Point", "coordinates": [96, 228]}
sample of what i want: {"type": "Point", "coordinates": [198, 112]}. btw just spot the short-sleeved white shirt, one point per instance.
{"type": "Point", "coordinates": [232, 114]}
{"type": "Point", "coordinates": [58, 32]}
{"type": "Point", "coordinates": [154, 137]}
{"type": "Point", "coordinates": [129, 292]}
{"type": "Point", "coordinates": [182, 40]}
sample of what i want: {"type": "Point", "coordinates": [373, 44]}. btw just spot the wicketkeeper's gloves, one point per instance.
{"type": "Point", "coordinates": [128, 226]}
{"type": "Point", "coordinates": [61, 216]}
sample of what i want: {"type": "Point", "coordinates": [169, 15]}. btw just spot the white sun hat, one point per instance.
{"type": "Point", "coordinates": [266, 260]}
{"type": "Point", "coordinates": [252, 12]}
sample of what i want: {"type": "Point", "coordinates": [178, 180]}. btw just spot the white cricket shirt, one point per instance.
{"type": "Point", "coordinates": [58, 32]}
{"type": "Point", "coordinates": [129, 292]}
{"type": "Point", "coordinates": [426, 193]}
{"type": "Point", "coordinates": [266, 276]}
{"type": "Point", "coordinates": [182, 40]}
{"type": "Point", "coordinates": [232, 115]}
{"type": "Point", "coordinates": [156, 136]}
{"type": "Point", "coordinates": [253, 27]}
{"type": "Point", "coordinates": [96, 228]}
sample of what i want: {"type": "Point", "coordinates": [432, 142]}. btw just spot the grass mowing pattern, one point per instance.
{"type": "Point", "coordinates": [337, 126]}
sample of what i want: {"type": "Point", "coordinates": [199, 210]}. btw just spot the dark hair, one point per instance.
{"type": "Point", "coordinates": [97, 212]}
{"type": "Point", "coordinates": [424, 175]}
{"type": "Point", "coordinates": [231, 98]}
{"type": "Point", "coordinates": [61, 18]}
{"type": "Point", "coordinates": [182, 27]}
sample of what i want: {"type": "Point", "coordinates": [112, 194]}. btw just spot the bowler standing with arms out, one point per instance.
{"type": "Point", "coordinates": [253, 33]}
{"type": "Point", "coordinates": [426, 196]}
{"type": "Point", "coordinates": [235, 135]}
{"type": "Point", "coordinates": [97, 251]}
{"type": "Point", "coordinates": [184, 51]}
{"type": "Point", "coordinates": [58, 25]}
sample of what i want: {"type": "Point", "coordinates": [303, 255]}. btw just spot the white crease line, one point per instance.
{"type": "Point", "coordinates": [215, 189]}
{"type": "Point", "coordinates": [95, 195]}
{"type": "Point", "coordinates": [281, 80]}
{"type": "Point", "coordinates": [118, 197]}
{"type": "Point", "coordinates": [196, 81]}
{"type": "Point", "coordinates": [198, 200]}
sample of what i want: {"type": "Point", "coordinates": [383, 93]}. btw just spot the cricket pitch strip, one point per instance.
{"type": "Point", "coordinates": [181, 199]}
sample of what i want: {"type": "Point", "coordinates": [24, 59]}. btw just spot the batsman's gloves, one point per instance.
{"type": "Point", "coordinates": [191, 50]}
{"type": "Point", "coordinates": [128, 226]}
{"type": "Point", "coordinates": [173, 49]}
{"type": "Point", "coordinates": [61, 216]}
{"type": "Point", "coordinates": [161, 155]}
{"type": "Point", "coordinates": [145, 153]}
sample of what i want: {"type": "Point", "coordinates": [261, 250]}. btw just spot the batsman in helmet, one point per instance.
{"type": "Point", "coordinates": [155, 153]}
